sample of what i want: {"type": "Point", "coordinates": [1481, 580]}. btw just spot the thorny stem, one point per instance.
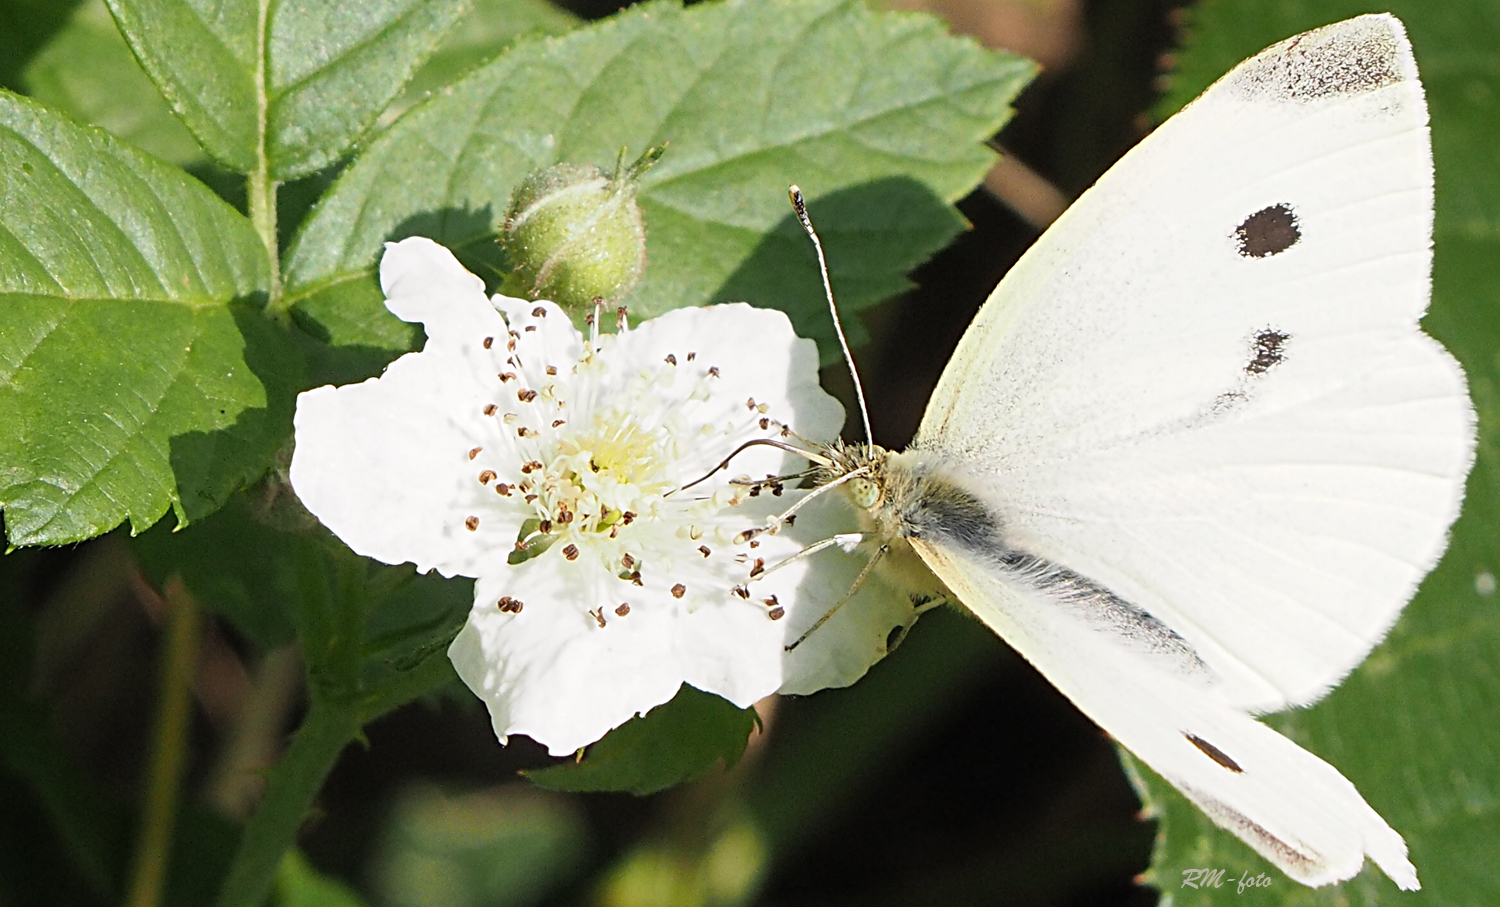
{"type": "Point", "coordinates": [291, 786]}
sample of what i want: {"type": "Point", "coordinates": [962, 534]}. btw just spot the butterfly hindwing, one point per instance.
{"type": "Point", "coordinates": [1292, 807]}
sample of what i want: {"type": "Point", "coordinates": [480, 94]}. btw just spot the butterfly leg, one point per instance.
{"type": "Point", "coordinates": [858, 582]}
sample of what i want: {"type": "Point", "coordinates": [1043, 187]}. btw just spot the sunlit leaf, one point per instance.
{"type": "Point", "coordinates": [879, 117]}
{"type": "Point", "coordinates": [295, 81]}
{"type": "Point", "coordinates": [136, 371]}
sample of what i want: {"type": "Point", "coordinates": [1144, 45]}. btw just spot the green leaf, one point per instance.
{"type": "Point", "coordinates": [750, 96]}
{"type": "Point", "coordinates": [136, 372]}
{"type": "Point", "coordinates": [25, 27]}
{"type": "Point", "coordinates": [294, 82]}
{"type": "Point", "coordinates": [86, 70]}
{"type": "Point", "coordinates": [489, 27]}
{"type": "Point", "coordinates": [1406, 727]}
{"type": "Point", "coordinates": [674, 742]}
{"type": "Point", "coordinates": [231, 562]}
{"type": "Point", "coordinates": [300, 884]}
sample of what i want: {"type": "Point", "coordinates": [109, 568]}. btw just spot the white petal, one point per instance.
{"type": "Point", "coordinates": [423, 282]}
{"type": "Point", "coordinates": [757, 356]}
{"type": "Point", "coordinates": [552, 673]}
{"type": "Point", "coordinates": [857, 635]}
{"type": "Point", "coordinates": [386, 464]}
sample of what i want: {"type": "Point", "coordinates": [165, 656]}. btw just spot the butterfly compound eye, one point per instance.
{"type": "Point", "coordinates": [866, 493]}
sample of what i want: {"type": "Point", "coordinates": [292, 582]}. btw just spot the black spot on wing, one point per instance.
{"type": "Point", "coordinates": [1350, 57]}
{"type": "Point", "coordinates": [1267, 350]}
{"type": "Point", "coordinates": [1214, 753]}
{"type": "Point", "coordinates": [1269, 231]}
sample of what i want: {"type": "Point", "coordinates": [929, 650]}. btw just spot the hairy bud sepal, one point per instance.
{"type": "Point", "coordinates": [575, 234]}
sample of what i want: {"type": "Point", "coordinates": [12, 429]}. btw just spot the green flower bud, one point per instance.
{"type": "Point", "coordinates": [575, 234]}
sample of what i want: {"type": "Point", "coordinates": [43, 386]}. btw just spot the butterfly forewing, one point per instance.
{"type": "Point", "coordinates": [1205, 388]}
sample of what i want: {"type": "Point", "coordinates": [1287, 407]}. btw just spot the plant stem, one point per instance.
{"type": "Point", "coordinates": [261, 188]}
{"type": "Point", "coordinates": [262, 192]}
{"type": "Point", "coordinates": [291, 786]}
{"type": "Point", "coordinates": [154, 844]}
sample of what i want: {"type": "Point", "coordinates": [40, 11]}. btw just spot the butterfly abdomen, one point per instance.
{"type": "Point", "coordinates": [926, 502]}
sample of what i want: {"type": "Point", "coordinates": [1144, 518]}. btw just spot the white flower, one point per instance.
{"type": "Point", "coordinates": [551, 469]}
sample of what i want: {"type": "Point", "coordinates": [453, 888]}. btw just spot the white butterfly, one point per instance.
{"type": "Point", "coordinates": [1194, 454]}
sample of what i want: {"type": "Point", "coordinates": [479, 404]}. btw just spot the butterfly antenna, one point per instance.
{"type": "Point", "coordinates": [800, 205]}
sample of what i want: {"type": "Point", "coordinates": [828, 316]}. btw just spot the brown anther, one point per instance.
{"type": "Point", "coordinates": [564, 516]}
{"type": "Point", "coordinates": [529, 328]}
{"type": "Point", "coordinates": [636, 578]}
{"type": "Point", "coordinates": [627, 518]}
{"type": "Point", "coordinates": [671, 359]}
{"type": "Point", "coordinates": [531, 499]}
{"type": "Point", "coordinates": [704, 550]}
{"type": "Point", "coordinates": [503, 489]}
{"type": "Point", "coordinates": [471, 523]}
{"type": "Point", "coordinates": [598, 615]}
{"type": "Point", "coordinates": [539, 312]}
{"type": "Point", "coordinates": [524, 432]}
{"type": "Point", "coordinates": [526, 395]}
{"type": "Point", "coordinates": [507, 377]}
{"type": "Point", "coordinates": [622, 609]}
{"type": "Point", "coordinates": [776, 613]}
{"type": "Point", "coordinates": [679, 590]}
{"type": "Point", "coordinates": [770, 601]}
{"type": "Point", "coordinates": [489, 409]}
{"type": "Point", "coordinates": [571, 552]}
{"type": "Point", "coordinates": [759, 567]}
{"type": "Point", "coordinates": [508, 605]}
{"type": "Point", "coordinates": [544, 527]}
{"type": "Point", "coordinates": [750, 403]}
{"type": "Point", "coordinates": [790, 520]}
{"type": "Point", "coordinates": [489, 342]}
{"type": "Point", "coordinates": [765, 424]}
{"type": "Point", "coordinates": [475, 452]}
{"type": "Point", "coordinates": [741, 591]}
{"type": "Point", "coordinates": [558, 423]}
{"type": "Point", "coordinates": [487, 477]}
{"type": "Point", "coordinates": [713, 371]}
{"type": "Point", "coordinates": [691, 356]}
{"type": "Point", "coordinates": [754, 544]}
{"type": "Point", "coordinates": [628, 562]}
{"type": "Point", "coordinates": [551, 369]}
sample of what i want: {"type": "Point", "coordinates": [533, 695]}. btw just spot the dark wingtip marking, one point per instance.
{"type": "Point", "coordinates": [1214, 753]}
{"type": "Point", "coordinates": [1269, 231]}
{"type": "Point", "coordinates": [1347, 58]}
{"type": "Point", "coordinates": [1268, 351]}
